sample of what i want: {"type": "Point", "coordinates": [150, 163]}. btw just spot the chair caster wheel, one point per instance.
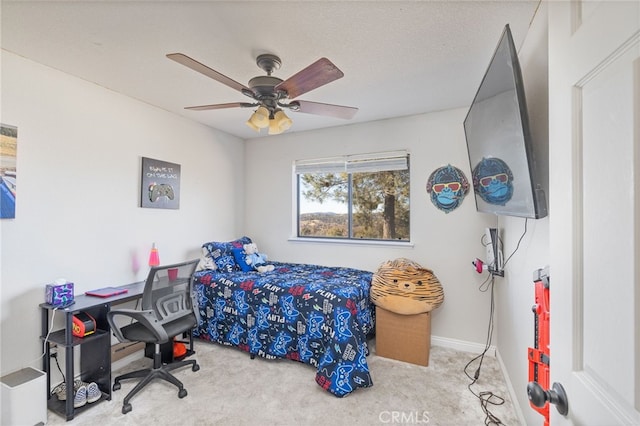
{"type": "Point", "coordinates": [195, 367]}
{"type": "Point", "coordinates": [116, 386]}
{"type": "Point", "coordinates": [182, 393]}
{"type": "Point", "coordinates": [126, 408]}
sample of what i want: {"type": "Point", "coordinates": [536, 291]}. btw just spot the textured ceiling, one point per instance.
{"type": "Point", "coordinates": [398, 57]}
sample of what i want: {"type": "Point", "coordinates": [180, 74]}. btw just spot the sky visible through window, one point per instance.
{"type": "Point", "coordinates": [328, 206]}
{"type": "Point", "coordinates": [309, 206]}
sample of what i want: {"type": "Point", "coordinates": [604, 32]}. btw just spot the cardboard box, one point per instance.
{"type": "Point", "coordinates": [403, 337]}
{"type": "Point", "coordinates": [121, 350]}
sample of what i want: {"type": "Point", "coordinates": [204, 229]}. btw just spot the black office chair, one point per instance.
{"type": "Point", "coordinates": [168, 310]}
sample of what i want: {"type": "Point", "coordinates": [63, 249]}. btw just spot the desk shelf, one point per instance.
{"type": "Point", "coordinates": [95, 356]}
{"type": "Point", "coordinates": [59, 407]}
{"type": "Point", "coordinates": [94, 349]}
{"type": "Point", "coordinates": [58, 337]}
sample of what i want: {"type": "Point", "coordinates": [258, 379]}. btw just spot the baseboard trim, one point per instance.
{"type": "Point", "coordinates": [512, 392]}
{"type": "Point", "coordinates": [462, 345]}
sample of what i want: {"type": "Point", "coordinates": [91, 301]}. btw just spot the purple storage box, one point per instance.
{"type": "Point", "coordinates": [59, 294]}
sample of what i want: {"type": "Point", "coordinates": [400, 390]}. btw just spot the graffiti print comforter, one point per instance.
{"type": "Point", "coordinates": [313, 314]}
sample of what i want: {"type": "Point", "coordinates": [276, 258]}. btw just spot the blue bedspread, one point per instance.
{"type": "Point", "coordinates": [314, 314]}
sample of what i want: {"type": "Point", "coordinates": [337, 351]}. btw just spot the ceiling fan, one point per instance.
{"type": "Point", "coordinates": [272, 94]}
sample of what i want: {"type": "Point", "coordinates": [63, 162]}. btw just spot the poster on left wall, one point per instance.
{"type": "Point", "coordinates": [160, 184]}
{"type": "Point", "coordinates": [8, 157]}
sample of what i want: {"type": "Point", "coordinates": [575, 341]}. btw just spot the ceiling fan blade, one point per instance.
{"type": "Point", "coordinates": [318, 74]}
{"type": "Point", "coordinates": [203, 69]}
{"type": "Point", "coordinates": [337, 111]}
{"type": "Point", "coordinates": [222, 106]}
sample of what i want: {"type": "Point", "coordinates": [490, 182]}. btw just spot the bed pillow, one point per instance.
{"type": "Point", "coordinates": [226, 263]}
{"type": "Point", "coordinates": [206, 261]}
{"type": "Point", "coordinates": [222, 253]}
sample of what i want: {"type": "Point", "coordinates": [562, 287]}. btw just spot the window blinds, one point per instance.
{"type": "Point", "coordinates": [359, 163]}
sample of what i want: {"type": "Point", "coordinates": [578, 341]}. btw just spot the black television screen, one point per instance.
{"type": "Point", "coordinates": [499, 140]}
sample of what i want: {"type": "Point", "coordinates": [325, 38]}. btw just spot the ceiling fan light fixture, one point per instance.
{"type": "Point", "coordinates": [274, 129]}
{"type": "Point", "coordinates": [268, 91]}
{"type": "Point", "coordinates": [260, 118]}
{"type": "Point", "coordinates": [279, 123]}
{"type": "Point", "coordinates": [282, 121]}
{"type": "Point", "coordinates": [253, 126]}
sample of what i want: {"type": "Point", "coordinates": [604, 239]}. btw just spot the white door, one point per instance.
{"type": "Point", "coordinates": [594, 221]}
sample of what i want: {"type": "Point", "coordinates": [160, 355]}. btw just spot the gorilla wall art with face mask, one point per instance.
{"type": "Point", "coordinates": [447, 187]}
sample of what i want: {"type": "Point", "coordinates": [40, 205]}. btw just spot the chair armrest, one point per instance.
{"type": "Point", "coordinates": [146, 318]}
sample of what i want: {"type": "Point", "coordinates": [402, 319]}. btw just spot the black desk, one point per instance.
{"type": "Point", "coordinates": [95, 352]}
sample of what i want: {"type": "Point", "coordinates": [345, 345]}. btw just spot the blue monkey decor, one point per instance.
{"type": "Point", "coordinates": [493, 181]}
{"type": "Point", "coordinates": [447, 187]}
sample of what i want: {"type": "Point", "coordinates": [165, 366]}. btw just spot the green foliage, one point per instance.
{"type": "Point", "coordinates": [323, 225]}
{"type": "Point", "coordinates": [324, 186]}
{"type": "Point", "coordinates": [9, 131]}
{"type": "Point", "coordinates": [380, 202]}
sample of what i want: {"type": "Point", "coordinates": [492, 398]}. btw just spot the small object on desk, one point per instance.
{"type": "Point", "coordinates": [106, 291]}
{"type": "Point", "coordinates": [83, 324]}
{"type": "Point", "coordinates": [59, 293]}
{"type": "Point", "coordinates": [172, 273]}
{"type": "Point", "coordinates": [154, 257]}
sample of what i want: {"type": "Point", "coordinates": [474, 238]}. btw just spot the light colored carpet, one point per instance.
{"type": "Point", "coordinates": [232, 389]}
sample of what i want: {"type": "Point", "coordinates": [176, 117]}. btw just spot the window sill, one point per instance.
{"type": "Point", "coordinates": [396, 244]}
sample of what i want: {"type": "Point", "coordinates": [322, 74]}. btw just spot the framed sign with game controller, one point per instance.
{"type": "Point", "coordinates": [160, 187]}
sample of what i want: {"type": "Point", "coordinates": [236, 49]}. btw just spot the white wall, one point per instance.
{"type": "Point", "coordinates": [515, 292]}
{"type": "Point", "coordinates": [77, 216]}
{"type": "Point", "coordinates": [446, 243]}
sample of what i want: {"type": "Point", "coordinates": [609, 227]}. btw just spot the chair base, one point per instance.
{"type": "Point", "coordinates": [159, 371]}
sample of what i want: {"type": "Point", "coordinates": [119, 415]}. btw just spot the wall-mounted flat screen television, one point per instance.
{"type": "Point", "coordinates": [499, 140]}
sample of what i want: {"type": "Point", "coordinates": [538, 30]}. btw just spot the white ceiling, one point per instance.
{"type": "Point", "coordinates": [398, 57]}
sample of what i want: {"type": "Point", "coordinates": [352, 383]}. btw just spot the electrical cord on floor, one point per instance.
{"type": "Point", "coordinates": [486, 398]}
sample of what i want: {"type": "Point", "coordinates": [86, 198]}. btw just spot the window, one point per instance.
{"type": "Point", "coordinates": [363, 197]}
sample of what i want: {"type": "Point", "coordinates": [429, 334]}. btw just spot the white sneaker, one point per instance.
{"type": "Point", "coordinates": [93, 392]}
{"type": "Point", "coordinates": [61, 389]}
{"type": "Point", "coordinates": [80, 398]}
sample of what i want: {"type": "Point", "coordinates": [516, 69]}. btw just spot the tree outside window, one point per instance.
{"type": "Point", "coordinates": [363, 197]}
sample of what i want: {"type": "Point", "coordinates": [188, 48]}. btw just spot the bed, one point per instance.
{"type": "Point", "coordinates": [314, 314]}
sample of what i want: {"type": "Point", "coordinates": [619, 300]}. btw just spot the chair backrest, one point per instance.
{"type": "Point", "coordinates": [168, 291]}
